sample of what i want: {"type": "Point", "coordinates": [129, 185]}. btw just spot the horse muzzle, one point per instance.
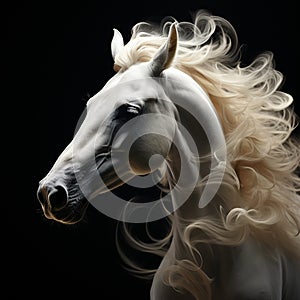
{"type": "Point", "coordinates": [52, 198]}
{"type": "Point", "coordinates": [58, 204]}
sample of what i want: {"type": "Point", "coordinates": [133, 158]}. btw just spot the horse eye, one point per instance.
{"type": "Point", "coordinates": [128, 111]}
{"type": "Point", "coordinates": [133, 109]}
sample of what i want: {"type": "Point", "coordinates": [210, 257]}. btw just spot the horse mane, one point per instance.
{"type": "Point", "coordinates": [261, 183]}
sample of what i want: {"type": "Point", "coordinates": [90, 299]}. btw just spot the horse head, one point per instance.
{"type": "Point", "coordinates": [132, 132]}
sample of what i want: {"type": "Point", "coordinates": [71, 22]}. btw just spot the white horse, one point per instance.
{"type": "Point", "coordinates": [184, 115]}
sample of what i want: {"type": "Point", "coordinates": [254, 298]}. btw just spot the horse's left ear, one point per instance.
{"type": "Point", "coordinates": [117, 43]}
{"type": "Point", "coordinates": [166, 53]}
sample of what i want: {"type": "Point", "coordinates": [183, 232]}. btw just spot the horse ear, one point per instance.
{"type": "Point", "coordinates": [117, 43]}
{"type": "Point", "coordinates": [166, 53]}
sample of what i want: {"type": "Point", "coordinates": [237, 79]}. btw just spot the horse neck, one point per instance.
{"type": "Point", "coordinates": [188, 210]}
{"type": "Point", "coordinates": [206, 255]}
{"type": "Point", "coordinates": [183, 159]}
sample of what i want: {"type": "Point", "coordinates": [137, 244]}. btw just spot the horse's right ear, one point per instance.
{"type": "Point", "coordinates": [117, 43]}
{"type": "Point", "coordinates": [166, 53]}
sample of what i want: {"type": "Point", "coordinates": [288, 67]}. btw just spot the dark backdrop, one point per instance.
{"type": "Point", "coordinates": [57, 54]}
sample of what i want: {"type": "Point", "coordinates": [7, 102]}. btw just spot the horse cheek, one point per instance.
{"type": "Point", "coordinates": [148, 153]}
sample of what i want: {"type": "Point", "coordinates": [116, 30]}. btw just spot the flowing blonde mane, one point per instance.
{"type": "Point", "coordinates": [262, 183]}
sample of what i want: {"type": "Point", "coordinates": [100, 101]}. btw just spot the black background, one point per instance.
{"type": "Point", "coordinates": [57, 54]}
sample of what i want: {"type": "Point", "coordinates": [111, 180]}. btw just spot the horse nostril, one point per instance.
{"type": "Point", "coordinates": [58, 198]}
